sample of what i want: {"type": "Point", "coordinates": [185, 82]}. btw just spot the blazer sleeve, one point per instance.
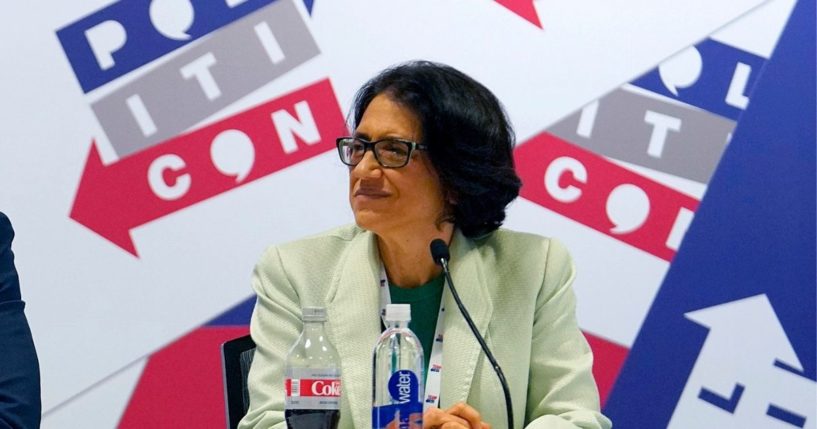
{"type": "Point", "coordinates": [275, 325]}
{"type": "Point", "coordinates": [562, 393]}
{"type": "Point", "coordinates": [19, 369]}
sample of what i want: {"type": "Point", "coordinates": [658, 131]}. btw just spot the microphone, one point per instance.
{"type": "Point", "coordinates": [439, 251]}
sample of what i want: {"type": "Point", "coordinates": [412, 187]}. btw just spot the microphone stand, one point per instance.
{"type": "Point", "coordinates": [441, 257]}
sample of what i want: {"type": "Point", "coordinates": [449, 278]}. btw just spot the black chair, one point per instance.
{"type": "Point", "coordinates": [236, 358]}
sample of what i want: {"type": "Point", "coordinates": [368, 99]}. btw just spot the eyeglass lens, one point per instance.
{"type": "Point", "coordinates": [390, 153]}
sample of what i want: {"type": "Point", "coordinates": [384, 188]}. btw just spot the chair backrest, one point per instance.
{"type": "Point", "coordinates": [236, 358]}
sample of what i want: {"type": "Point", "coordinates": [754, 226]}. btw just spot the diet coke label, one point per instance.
{"type": "Point", "coordinates": [310, 389]}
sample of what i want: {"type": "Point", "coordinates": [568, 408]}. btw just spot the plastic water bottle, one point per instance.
{"type": "Point", "coordinates": [398, 373]}
{"type": "Point", "coordinates": [312, 377]}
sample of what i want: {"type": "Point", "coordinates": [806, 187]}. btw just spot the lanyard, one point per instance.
{"type": "Point", "coordinates": [434, 371]}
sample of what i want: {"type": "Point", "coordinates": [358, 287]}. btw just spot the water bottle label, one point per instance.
{"type": "Point", "coordinates": [406, 408]}
{"type": "Point", "coordinates": [312, 389]}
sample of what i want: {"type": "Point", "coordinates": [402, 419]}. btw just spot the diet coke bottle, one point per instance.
{"type": "Point", "coordinates": [312, 377]}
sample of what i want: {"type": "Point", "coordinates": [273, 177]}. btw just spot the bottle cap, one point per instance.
{"type": "Point", "coordinates": [314, 314]}
{"type": "Point", "coordinates": [398, 313]}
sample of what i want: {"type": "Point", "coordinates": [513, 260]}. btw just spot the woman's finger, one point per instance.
{"type": "Point", "coordinates": [435, 418]}
{"type": "Point", "coordinates": [467, 412]}
{"type": "Point", "coordinates": [454, 425]}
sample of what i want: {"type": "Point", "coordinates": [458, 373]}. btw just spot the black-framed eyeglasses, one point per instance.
{"type": "Point", "coordinates": [389, 152]}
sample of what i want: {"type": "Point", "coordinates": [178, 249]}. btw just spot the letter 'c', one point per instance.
{"type": "Point", "coordinates": [156, 180]}
{"type": "Point", "coordinates": [556, 170]}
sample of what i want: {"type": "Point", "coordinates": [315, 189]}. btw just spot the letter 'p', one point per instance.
{"type": "Point", "coordinates": [104, 39]}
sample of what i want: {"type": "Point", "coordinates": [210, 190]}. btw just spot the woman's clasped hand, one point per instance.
{"type": "Point", "coordinates": [459, 416]}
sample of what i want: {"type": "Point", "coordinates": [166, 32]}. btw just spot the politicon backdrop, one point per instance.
{"type": "Point", "coordinates": [151, 149]}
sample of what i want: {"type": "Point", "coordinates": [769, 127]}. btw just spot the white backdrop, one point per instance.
{"type": "Point", "coordinates": [97, 311]}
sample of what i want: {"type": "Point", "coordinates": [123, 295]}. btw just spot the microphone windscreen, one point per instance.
{"type": "Point", "coordinates": [439, 250]}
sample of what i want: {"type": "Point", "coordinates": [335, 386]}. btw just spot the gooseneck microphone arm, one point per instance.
{"type": "Point", "coordinates": [439, 251]}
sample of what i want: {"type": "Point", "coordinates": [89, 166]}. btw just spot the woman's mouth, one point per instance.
{"type": "Point", "coordinates": [371, 193]}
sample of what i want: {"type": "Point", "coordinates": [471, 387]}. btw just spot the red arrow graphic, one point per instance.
{"type": "Point", "coordinates": [523, 8]}
{"type": "Point", "coordinates": [113, 199]}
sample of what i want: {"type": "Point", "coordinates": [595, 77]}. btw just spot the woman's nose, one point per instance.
{"type": "Point", "coordinates": [368, 166]}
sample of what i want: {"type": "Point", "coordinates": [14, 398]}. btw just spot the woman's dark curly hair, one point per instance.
{"type": "Point", "coordinates": [470, 140]}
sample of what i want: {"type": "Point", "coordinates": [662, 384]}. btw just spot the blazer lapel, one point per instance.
{"type": "Point", "coordinates": [460, 349]}
{"type": "Point", "coordinates": [353, 315]}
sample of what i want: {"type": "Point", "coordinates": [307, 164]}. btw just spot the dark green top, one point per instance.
{"type": "Point", "coordinates": [425, 307]}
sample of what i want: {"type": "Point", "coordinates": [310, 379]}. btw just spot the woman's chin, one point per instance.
{"type": "Point", "coordinates": [368, 219]}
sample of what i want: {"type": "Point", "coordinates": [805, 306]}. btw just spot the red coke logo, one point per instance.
{"type": "Point", "coordinates": [319, 387]}
{"type": "Point", "coordinates": [325, 388]}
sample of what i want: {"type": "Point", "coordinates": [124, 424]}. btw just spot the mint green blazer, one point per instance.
{"type": "Point", "coordinates": [516, 286]}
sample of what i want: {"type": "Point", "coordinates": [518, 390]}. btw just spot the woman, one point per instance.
{"type": "Point", "coordinates": [431, 157]}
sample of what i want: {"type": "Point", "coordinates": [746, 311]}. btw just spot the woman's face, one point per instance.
{"type": "Point", "coordinates": [389, 200]}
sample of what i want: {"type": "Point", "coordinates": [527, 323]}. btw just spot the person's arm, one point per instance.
{"type": "Point", "coordinates": [19, 369]}
{"type": "Point", "coordinates": [275, 325]}
{"type": "Point", "coordinates": [562, 392]}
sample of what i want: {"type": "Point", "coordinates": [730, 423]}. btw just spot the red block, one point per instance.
{"type": "Point", "coordinates": [182, 385]}
{"type": "Point", "coordinates": [608, 359]}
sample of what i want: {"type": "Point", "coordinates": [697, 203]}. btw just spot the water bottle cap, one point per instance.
{"type": "Point", "coordinates": [314, 314]}
{"type": "Point", "coordinates": [398, 313]}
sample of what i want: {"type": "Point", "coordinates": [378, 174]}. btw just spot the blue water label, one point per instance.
{"type": "Point", "coordinates": [404, 387]}
{"type": "Point", "coordinates": [406, 408]}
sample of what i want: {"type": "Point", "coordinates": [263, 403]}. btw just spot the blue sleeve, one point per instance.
{"type": "Point", "coordinates": [19, 369]}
